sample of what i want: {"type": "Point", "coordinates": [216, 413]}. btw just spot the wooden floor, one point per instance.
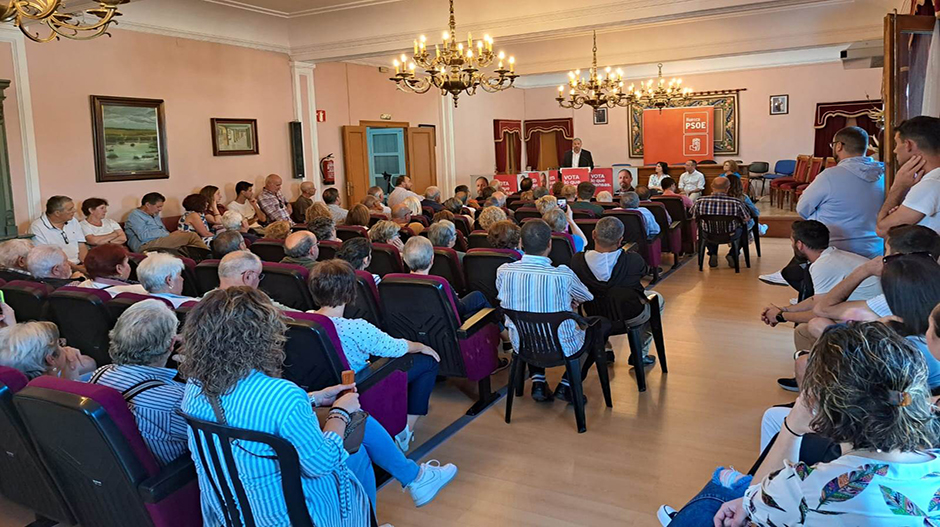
{"type": "Point", "coordinates": [657, 447]}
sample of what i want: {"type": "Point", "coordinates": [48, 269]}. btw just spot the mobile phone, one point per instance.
{"type": "Point", "coordinates": [562, 204]}
{"type": "Point", "coordinates": [2, 299]}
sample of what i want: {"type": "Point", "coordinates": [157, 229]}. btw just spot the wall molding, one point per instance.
{"type": "Point", "coordinates": [24, 108]}
{"type": "Point", "coordinates": [448, 180]}
{"type": "Point", "coordinates": [302, 73]}
{"type": "Point", "coordinates": [355, 4]}
{"type": "Point", "coordinates": [202, 37]}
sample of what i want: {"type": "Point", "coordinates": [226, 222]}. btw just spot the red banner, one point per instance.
{"type": "Point", "coordinates": [603, 179]}
{"type": "Point", "coordinates": [545, 178]}
{"type": "Point", "coordinates": [574, 176]}
{"type": "Point", "coordinates": [675, 135]}
{"type": "Point", "coordinates": [510, 183]}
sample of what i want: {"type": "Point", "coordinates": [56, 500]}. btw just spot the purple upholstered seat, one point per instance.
{"type": "Point", "coordinates": [83, 319]}
{"type": "Point", "coordinates": [27, 298]}
{"type": "Point", "coordinates": [287, 284]}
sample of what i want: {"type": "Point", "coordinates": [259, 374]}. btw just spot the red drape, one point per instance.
{"type": "Point", "coordinates": [833, 116]}
{"type": "Point", "coordinates": [564, 128]}
{"type": "Point", "coordinates": [505, 131]}
{"type": "Point", "coordinates": [925, 7]}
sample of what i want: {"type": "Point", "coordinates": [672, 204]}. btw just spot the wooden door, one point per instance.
{"type": "Point", "coordinates": [422, 158]}
{"type": "Point", "coordinates": [356, 163]}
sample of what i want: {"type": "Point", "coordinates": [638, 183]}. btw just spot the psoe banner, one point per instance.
{"type": "Point", "coordinates": [603, 179]}
{"type": "Point", "coordinates": [676, 135]}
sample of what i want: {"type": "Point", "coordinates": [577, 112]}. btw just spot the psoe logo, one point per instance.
{"type": "Point", "coordinates": [695, 123]}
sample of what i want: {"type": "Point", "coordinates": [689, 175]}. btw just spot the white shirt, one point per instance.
{"type": "Point", "coordinates": [114, 289]}
{"type": "Point", "coordinates": [46, 234]}
{"type": "Point", "coordinates": [107, 227]}
{"type": "Point", "coordinates": [602, 264]}
{"type": "Point", "coordinates": [694, 182]}
{"type": "Point", "coordinates": [398, 195]}
{"type": "Point", "coordinates": [176, 300]}
{"type": "Point", "coordinates": [879, 305]}
{"type": "Point", "coordinates": [924, 197]}
{"type": "Point", "coordinates": [833, 265]}
{"type": "Point", "coordinates": [655, 181]}
{"type": "Point", "coordinates": [246, 210]}
{"type": "Point", "coordinates": [575, 157]}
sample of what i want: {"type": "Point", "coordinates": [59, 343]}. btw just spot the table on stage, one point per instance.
{"type": "Point", "coordinates": [675, 172]}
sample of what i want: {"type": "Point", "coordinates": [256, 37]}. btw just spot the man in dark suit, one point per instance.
{"type": "Point", "coordinates": [577, 158]}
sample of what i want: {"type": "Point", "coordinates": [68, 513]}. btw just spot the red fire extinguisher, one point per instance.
{"type": "Point", "coordinates": [327, 170]}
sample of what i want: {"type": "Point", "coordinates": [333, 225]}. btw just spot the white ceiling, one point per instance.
{"type": "Point", "coordinates": [297, 8]}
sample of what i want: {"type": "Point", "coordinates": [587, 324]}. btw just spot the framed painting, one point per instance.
{"type": "Point", "coordinates": [130, 139]}
{"type": "Point", "coordinates": [779, 104]}
{"type": "Point", "coordinates": [600, 116]}
{"type": "Point", "coordinates": [234, 137]}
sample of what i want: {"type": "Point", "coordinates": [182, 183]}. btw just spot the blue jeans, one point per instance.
{"type": "Point", "coordinates": [379, 448]}
{"type": "Point", "coordinates": [421, 378]}
{"type": "Point", "coordinates": [701, 510]}
{"type": "Point", "coordinates": [470, 304]}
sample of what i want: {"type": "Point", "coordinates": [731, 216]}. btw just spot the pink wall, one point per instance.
{"type": "Point", "coordinates": [473, 130]}
{"type": "Point", "coordinates": [197, 80]}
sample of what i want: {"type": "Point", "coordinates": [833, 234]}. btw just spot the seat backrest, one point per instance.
{"type": "Point", "coordinates": [583, 214]}
{"type": "Point", "coordinates": [447, 265]}
{"type": "Point", "coordinates": [527, 212]}
{"type": "Point", "coordinates": [207, 275]}
{"type": "Point", "coordinates": [83, 320]}
{"type": "Point", "coordinates": [634, 227]}
{"type": "Point", "coordinates": [801, 172]}
{"type": "Point", "coordinates": [230, 492]}
{"type": "Point", "coordinates": [830, 162]}
{"type": "Point", "coordinates": [758, 168]}
{"type": "Point", "coordinates": [562, 249]}
{"type": "Point", "coordinates": [815, 167]}
{"type": "Point", "coordinates": [119, 304]}
{"type": "Point", "coordinates": [191, 284]}
{"type": "Point", "coordinates": [674, 206]}
{"type": "Point", "coordinates": [348, 232]}
{"type": "Point", "coordinates": [315, 358]}
{"type": "Point", "coordinates": [327, 249]}
{"type": "Point", "coordinates": [480, 267]}
{"type": "Point", "coordinates": [587, 227]}
{"type": "Point", "coordinates": [422, 308]}
{"type": "Point", "coordinates": [375, 218]}
{"type": "Point", "coordinates": [99, 464]}
{"type": "Point", "coordinates": [24, 480]}
{"type": "Point", "coordinates": [785, 166]}
{"type": "Point", "coordinates": [27, 298]}
{"type": "Point", "coordinates": [385, 259]}
{"type": "Point", "coordinates": [659, 213]}
{"type": "Point", "coordinates": [721, 226]}
{"type": "Point", "coordinates": [268, 250]}
{"type": "Point", "coordinates": [427, 211]}
{"type": "Point", "coordinates": [462, 224]}
{"type": "Point", "coordinates": [287, 284]}
{"type": "Point", "coordinates": [366, 305]}
{"type": "Point", "coordinates": [539, 344]}
{"type": "Point", "coordinates": [8, 275]}
{"type": "Point", "coordinates": [477, 240]}
{"type": "Point", "coordinates": [518, 204]}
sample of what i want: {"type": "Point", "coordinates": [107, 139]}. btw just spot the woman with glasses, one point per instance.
{"type": "Point", "coordinates": [35, 349]}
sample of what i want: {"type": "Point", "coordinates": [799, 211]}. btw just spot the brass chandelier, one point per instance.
{"type": "Point", "coordinates": [51, 13]}
{"type": "Point", "coordinates": [455, 69]}
{"type": "Point", "coordinates": [660, 94]}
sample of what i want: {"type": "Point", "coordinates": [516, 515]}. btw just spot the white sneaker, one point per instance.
{"type": "Point", "coordinates": [762, 228]}
{"type": "Point", "coordinates": [773, 278]}
{"type": "Point", "coordinates": [404, 439]}
{"type": "Point", "coordinates": [665, 514]}
{"type": "Point", "coordinates": [431, 479]}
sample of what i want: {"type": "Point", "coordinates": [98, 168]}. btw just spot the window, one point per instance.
{"type": "Point", "coordinates": [386, 155]}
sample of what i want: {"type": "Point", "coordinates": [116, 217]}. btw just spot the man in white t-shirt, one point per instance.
{"type": "Point", "coordinates": [401, 191]}
{"type": "Point", "coordinates": [692, 182]}
{"type": "Point", "coordinates": [914, 197]}
{"type": "Point", "coordinates": [246, 204]}
{"type": "Point", "coordinates": [59, 227]}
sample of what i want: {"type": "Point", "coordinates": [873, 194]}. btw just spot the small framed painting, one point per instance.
{"type": "Point", "coordinates": [779, 104]}
{"type": "Point", "coordinates": [129, 139]}
{"type": "Point", "coordinates": [600, 116]}
{"type": "Point", "coordinates": [234, 137]}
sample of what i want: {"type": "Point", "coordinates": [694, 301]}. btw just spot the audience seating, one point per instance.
{"type": "Point", "coordinates": [327, 249]}
{"type": "Point", "coordinates": [83, 320]}
{"type": "Point", "coordinates": [587, 227]}
{"type": "Point", "coordinates": [634, 231]}
{"type": "Point", "coordinates": [756, 172]}
{"type": "Point", "coordinates": [269, 250]}
{"type": "Point", "coordinates": [11, 276]}
{"type": "Point", "coordinates": [119, 304]}
{"type": "Point", "coordinates": [423, 309]}
{"type": "Point", "coordinates": [190, 283]}
{"type": "Point", "coordinates": [102, 465]}
{"type": "Point", "coordinates": [366, 305]}
{"type": "Point", "coordinates": [517, 204]}
{"type": "Point", "coordinates": [24, 480]}
{"type": "Point", "coordinates": [480, 267]}
{"type": "Point", "coordinates": [583, 214]}
{"type": "Point", "coordinates": [539, 346]}
{"type": "Point", "coordinates": [562, 249]}
{"type": "Point", "coordinates": [287, 284]}
{"type": "Point", "coordinates": [172, 223]}
{"type": "Point", "coordinates": [829, 162]}
{"type": "Point", "coordinates": [422, 220]}
{"type": "Point", "coordinates": [385, 259]}
{"type": "Point", "coordinates": [669, 233]}
{"type": "Point", "coordinates": [133, 260]}
{"type": "Point", "coordinates": [477, 240]}
{"type": "Point", "coordinates": [788, 189]}
{"type": "Point", "coordinates": [207, 275]}
{"type": "Point", "coordinates": [527, 212]}
{"type": "Point", "coordinates": [427, 211]}
{"type": "Point", "coordinates": [447, 265]}
{"type": "Point", "coordinates": [722, 231]}
{"type": "Point", "coordinates": [347, 232]}
{"type": "Point", "coordinates": [315, 360]}
{"type": "Point", "coordinates": [27, 298]}
{"type": "Point", "coordinates": [800, 173]}
{"type": "Point", "coordinates": [687, 225]}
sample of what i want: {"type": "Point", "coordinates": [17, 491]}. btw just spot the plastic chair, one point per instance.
{"type": "Point", "coordinates": [287, 284]}
{"type": "Point", "coordinates": [269, 250]}
{"type": "Point", "coordinates": [328, 249]}
{"type": "Point", "coordinates": [424, 309]}
{"type": "Point", "coordinates": [102, 465]}
{"type": "Point", "coordinates": [366, 305]}
{"type": "Point", "coordinates": [756, 172]}
{"type": "Point", "coordinates": [27, 298]}
{"type": "Point", "coordinates": [539, 346]}
{"type": "Point", "coordinates": [348, 232]}
{"type": "Point", "coordinates": [447, 265]}
{"type": "Point", "coordinates": [83, 320]}
{"type": "Point", "coordinates": [24, 480]}
{"type": "Point", "coordinates": [480, 266]}
{"type": "Point", "coordinates": [385, 259]}
{"type": "Point", "coordinates": [721, 230]}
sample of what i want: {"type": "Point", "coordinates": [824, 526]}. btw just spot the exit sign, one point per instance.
{"type": "Point", "coordinates": [321, 116]}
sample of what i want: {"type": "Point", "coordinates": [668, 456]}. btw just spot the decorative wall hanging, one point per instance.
{"type": "Point", "coordinates": [129, 139]}
{"type": "Point", "coordinates": [779, 104]}
{"type": "Point", "coordinates": [726, 104]}
{"type": "Point", "coordinates": [234, 137]}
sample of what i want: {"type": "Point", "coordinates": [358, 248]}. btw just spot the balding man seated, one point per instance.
{"type": "Point", "coordinates": [432, 198]}
{"type": "Point", "coordinates": [161, 274]}
{"type": "Point", "coordinates": [419, 256]}
{"type": "Point", "coordinates": [13, 255]}
{"type": "Point", "coordinates": [401, 215]}
{"type": "Point", "coordinates": [300, 248]}
{"type": "Point", "coordinates": [226, 242]}
{"type": "Point", "coordinates": [299, 207]}
{"type": "Point", "coordinates": [719, 203]}
{"type": "Point", "coordinates": [58, 226]}
{"type": "Point", "coordinates": [272, 202]}
{"type": "Point", "coordinates": [243, 269]}
{"type": "Point", "coordinates": [49, 265]}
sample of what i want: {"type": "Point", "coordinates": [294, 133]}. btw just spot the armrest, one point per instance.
{"type": "Point", "coordinates": [477, 322]}
{"type": "Point", "coordinates": [629, 247]}
{"type": "Point", "coordinates": [380, 369]}
{"type": "Point", "coordinates": [674, 225]}
{"type": "Point", "coordinates": [173, 477]}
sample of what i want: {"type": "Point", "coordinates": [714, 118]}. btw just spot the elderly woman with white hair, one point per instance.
{"type": "Point", "coordinates": [563, 222]}
{"type": "Point", "coordinates": [35, 349]}
{"type": "Point", "coordinates": [489, 216]}
{"type": "Point", "coordinates": [161, 275]}
{"type": "Point", "coordinates": [13, 255]}
{"type": "Point", "coordinates": [444, 234]}
{"type": "Point", "coordinates": [142, 341]}
{"type": "Point", "coordinates": [605, 197]}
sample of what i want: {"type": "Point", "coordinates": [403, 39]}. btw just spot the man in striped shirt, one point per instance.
{"type": "Point", "coordinates": [141, 342]}
{"type": "Point", "coordinates": [534, 286]}
{"type": "Point", "coordinates": [719, 203]}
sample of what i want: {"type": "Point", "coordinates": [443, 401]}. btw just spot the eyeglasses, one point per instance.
{"type": "Point", "coordinates": [921, 254]}
{"type": "Point", "coordinates": [64, 236]}
{"type": "Point", "coordinates": [834, 143]}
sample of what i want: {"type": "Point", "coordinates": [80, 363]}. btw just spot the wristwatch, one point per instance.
{"type": "Point", "coordinates": [780, 318]}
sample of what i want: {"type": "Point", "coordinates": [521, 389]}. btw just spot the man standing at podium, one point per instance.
{"type": "Point", "coordinates": [577, 158]}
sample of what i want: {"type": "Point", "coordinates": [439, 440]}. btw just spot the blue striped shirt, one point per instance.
{"type": "Point", "coordinates": [279, 407]}
{"type": "Point", "coordinates": [164, 431]}
{"type": "Point", "coordinates": [533, 285]}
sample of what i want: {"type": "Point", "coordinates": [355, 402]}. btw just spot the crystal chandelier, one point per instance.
{"type": "Point", "coordinates": [76, 26]}
{"type": "Point", "coordinates": [455, 68]}
{"type": "Point", "coordinates": [659, 95]}
{"type": "Point", "coordinates": [598, 91]}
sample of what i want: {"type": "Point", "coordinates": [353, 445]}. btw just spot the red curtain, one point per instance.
{"type": "Point", "coordinates": [925, 7]}
{"type": "Point", "coordinates": [564, 130]}
{"type": "Point", "coordinates": [505, 131]}
{"type": "Point", "coordinates": [833, 116]}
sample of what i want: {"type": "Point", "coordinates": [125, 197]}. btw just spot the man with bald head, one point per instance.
{"type": "Point", "coordinates": [272, 201]}
{"type": "Point", "coordinates": [719, 203]}
{"type": "Point", "coordinates": [300, 248]}
{"type": "Point", "coordinates": [299, 207]}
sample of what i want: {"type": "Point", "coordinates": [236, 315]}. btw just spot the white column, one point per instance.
{"type": "Point", "coordinates": [447, 179]}
{"type": "Point", "coordinates": [24, 108]}
{"type": "Point", "coordinates": [302, 73]}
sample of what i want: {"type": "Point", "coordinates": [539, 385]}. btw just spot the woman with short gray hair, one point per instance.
{"type": "Point", "coordinates": [161, 274]}
{"type": "Point", "coordinates": [35, 349]}
{"type": "Point", "coordinates": [444, 234]}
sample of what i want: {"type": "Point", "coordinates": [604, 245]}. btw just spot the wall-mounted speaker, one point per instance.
{"type": "Point", "coordinates": [297, 149]}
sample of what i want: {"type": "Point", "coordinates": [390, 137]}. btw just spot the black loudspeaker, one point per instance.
{"type": "Point", "coordinates": [297, 149]}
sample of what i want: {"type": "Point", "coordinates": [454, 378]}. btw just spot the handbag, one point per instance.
{"type": "Point", "coordinates": [355, 431]}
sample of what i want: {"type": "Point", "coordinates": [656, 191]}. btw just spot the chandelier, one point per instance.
{"type": "Point", "coordinates": [659, 95]}
{"type": "Point", "coordinates": [455, 68]}
{"type": "Point", "coordinates": [598, 91]}
{"type": "Point", "coordinates": [76, 26]}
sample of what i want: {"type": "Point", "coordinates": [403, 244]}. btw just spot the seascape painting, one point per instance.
{"type": "Point", "coordinates": [130, 138]}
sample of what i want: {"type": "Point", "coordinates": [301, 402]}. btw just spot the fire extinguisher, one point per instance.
{"type": "Point", "coordinates": [327, 170]}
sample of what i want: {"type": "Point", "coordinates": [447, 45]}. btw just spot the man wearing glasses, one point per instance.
{"type": "Point", "coordinates": [243, 269]}
{"type": "Point", "coordinates": [59, 227]}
